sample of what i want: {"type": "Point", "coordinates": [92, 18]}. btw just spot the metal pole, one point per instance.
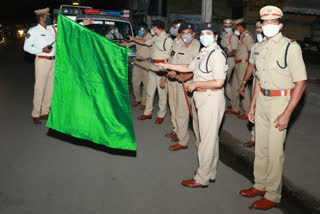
{"type": "Point", "coordinates": [206, 10]}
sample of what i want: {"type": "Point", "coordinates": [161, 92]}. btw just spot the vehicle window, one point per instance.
{"type": "Point", "coordinates": [112, 30]}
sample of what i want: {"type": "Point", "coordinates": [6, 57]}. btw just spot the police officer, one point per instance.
{"type": "Point", "coordinates": [140, 67]}
{"type": "Point", "coordinates": [38, 41]}
{"type": "Point", "coordinates": [209, 68]}
{"type": "Point", "coordinates": [241, 59]}
{"type": "Point", "coordinates": [160, 53]}
{"type": "Point", "coordinates": [229, 42]}
{"type": "Point", "coordinates": [174, 30]}
{"type": "Point", "coordinates": [280, 82]}
{"type": "Point", "coordinates": [182, 53]}
{"type": "Point", "coordinates": [249, 73]}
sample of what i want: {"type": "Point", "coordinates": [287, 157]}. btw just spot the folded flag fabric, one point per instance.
{"type": "Point", "coordinates": [91, 96]}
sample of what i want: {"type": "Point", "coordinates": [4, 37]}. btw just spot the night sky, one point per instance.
{"type": "Point", "coordinates": [21, 12]}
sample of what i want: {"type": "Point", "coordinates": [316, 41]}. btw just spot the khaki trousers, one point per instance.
{"type": "Point", "coordinates": [240, 70]}
{"type": "Point", "coordinates": [43, 86]}
{"type": "Point", "coordinates": [172, 93]}
{"type": "Point", "coordinates": [269, 156]}
{"type": "Point", "coordinates": [183, 116]}
{"type": "Point", "coordinates": [153, 86]}
{"type": "Point", "coordinates": [139, 76]}
{"type": "Point", "coordinates": [211, 106]}
{"type": "Point", "coordinates": [227, 87]}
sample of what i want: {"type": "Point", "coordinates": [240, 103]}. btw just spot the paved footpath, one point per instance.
{"type": "Point", "coordinates": [44, 173]}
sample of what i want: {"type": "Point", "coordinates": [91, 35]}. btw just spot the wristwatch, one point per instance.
{"type": "Point", "coordinates": [244, 82]}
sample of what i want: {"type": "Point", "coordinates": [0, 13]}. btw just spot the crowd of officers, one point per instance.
{"type": "Point", "coordinates": [194, 77]}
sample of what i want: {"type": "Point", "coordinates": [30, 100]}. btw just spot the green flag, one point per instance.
{"type": "Point", "coordinates": [91, 96]}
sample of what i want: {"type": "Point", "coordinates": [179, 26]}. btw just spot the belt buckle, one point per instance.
{"type": "Point", "coordinates": [152, 60]}
{"type": "Point", "coordinates": [267, 92]}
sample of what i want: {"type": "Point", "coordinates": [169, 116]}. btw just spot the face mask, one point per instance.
{"type": "Point", "coordinates": [259, 37]}
{"type": "Point", "coordinates": [152, 32]}
{"type": "Point", "coordinates": [270, 30]}
{"type": "Point", "coordinates": [228, 30]}
{"type": "Point", "coordinates": [112, 31]}
{"type": "Point", "coordinates": [48, 21]}
{"type": "Point", "coordinates": [237, 33]}
{"type": "Point", "coordinates": [141, 32]}
{"type": "Point", "coordinates": [173, 31]}
{"type": "Point", "coordinates": [186, 38]}
{"type": "Point", "coordinates": [207, 40]}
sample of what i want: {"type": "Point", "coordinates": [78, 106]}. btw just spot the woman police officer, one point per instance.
{"type": "Point", "coordinates": [209, 69]}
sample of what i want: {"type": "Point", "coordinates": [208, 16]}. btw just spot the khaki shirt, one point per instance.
{"type": "Point", "coordinates": [210, 64]}
{"type": "Point", "coordinates": [253, 56]}
{"type": "Point", "coordinates": [142, 51]}
{"type": "Point", "coordinates": [161, 46]}
{"type": "Point", "coordinates": [267, 56]}
{"type": "Point", "coordinates": [181, 54]}
{"type": "Point", "coordinates": [244, 46]}
{"type": "Point", "coordinates": [229, 41]}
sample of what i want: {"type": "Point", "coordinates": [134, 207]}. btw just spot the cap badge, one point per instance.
{"type": "Point", "coordinates": [269, 10]}
{"type": "Point", "coordinates": [189, 26]}
{"type": "Point", "coordinates": [209, 25]}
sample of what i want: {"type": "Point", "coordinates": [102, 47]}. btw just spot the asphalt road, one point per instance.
{"type": "Point", "coordinates": [44, 172]}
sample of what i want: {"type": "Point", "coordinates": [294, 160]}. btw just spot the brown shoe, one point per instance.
{"type": "Point", "coordinates": [252, 192]}
{"type": "Point", "coordinates": [44, 117]}
{"type": "Point", "coordinates": [36, 120]}
{"type": "Point", "coordinates": [144, 117]}
{"type": "Point", "coordinates": [175, 139]}
{"type": "Point", "coordinates": [232, 112]}
{"type": "Point", "coordinates": [192, 183]}
{"type": "Point", "coordinates": [142, 107]}
{"type": "Point", "coordinates": [251, 143]}
{"type": "Point", "coordinates": [264, 204]}
{"type": "Point", "coordinates": [244, 116]}
{"type": "Point", "coordinates": [136, 103]}
{"type": "Point", "coordinates": [171, 134]}
{"type": "Point", "coordinates": [210, 180]}
{"type": "Point", "coordinates": [159, 120]}
{"type": "Point", "coordinates": [177, 147]}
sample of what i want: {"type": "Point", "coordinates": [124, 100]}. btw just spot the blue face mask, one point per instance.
{"type": "Point", "coordinates": [48, 21]}
{"type": "Point", "coordinates": [207, 40]}
{"type": "Point", "coordinates": [140, 32]}
{"type": "Point", "coordinates": [173, 31]}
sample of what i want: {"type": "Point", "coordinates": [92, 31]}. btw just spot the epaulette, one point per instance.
{"type": "Point", "coordinates": [293, 40]}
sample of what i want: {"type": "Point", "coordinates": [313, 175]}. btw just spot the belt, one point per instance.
{"type": "Point", "coordinates": [241, 60]}
{"type": "Point", "coordinates": [275, 93]}
{"type": "Point", "coordinates": [142, 60]}
{"type": "Point", "coordinates": [230, 56]}
{"type": "Point", "coordinates": [159, 61]}
{"type": "Point", "coordinates": [205, 89]}
{"type": "Point", "coordinates": [47, 57]}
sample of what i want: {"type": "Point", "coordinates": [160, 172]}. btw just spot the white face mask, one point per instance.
{"type": "Point", "coordinates": [237, 33]}
{"type": "Point", "coordinates": [259, 37]}
{"type": "Point", "coordinates": [270, 30]}
{"type": "Point", "coordinates": [152, 32]}
{"type": "Point", "coordinates": [227, 30]}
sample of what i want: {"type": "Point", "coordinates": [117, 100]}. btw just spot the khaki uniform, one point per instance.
{"type": "Point", "coordinates": [37, 38]}
{"type": "Point", "coordinates": [269, 157]}
{"type": "Point", "coordinates": [161, 49]}
{"type": "Point", "coordinates": [210, 64]}
{"type": "Point", "coordinates": [140, 69]}
{"type": "Point", "coordinates": [241, 59]}
{"type": "Point", "coordinates": [229, 42]}
{"type": "Point", "coordinates": [183, 55]}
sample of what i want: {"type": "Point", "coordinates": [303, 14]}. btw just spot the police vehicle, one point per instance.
{"type": "Point", "coordinates": [113, 25]}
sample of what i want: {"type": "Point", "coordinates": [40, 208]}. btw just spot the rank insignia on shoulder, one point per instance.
{"type": "Point", "coordinates": [172, 53]}
{"type": "Point", "coordinates": [28, 36]}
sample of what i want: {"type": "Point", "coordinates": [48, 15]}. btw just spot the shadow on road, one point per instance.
{"type": "Point", "coordinates": [89, 144]}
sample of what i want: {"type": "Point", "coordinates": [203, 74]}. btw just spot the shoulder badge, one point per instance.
{"type": "Point", "coordinates": [27, 36]}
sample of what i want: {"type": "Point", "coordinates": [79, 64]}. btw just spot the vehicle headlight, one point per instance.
{"type": "Point", "coordinates": [21, 32]}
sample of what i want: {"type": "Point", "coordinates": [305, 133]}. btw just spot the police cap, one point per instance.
{"type": "Point", "coordinates": [208, 26]}
{"type": "Point", "coordinates": [186, 26]}
{"type": "Point", "coordinates": [158, 23]}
